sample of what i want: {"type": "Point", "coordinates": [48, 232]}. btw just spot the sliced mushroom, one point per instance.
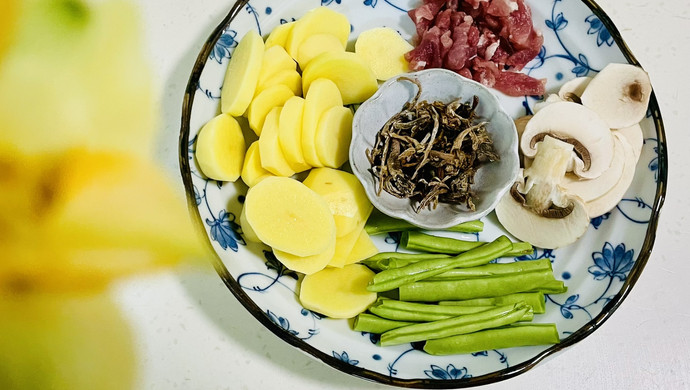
{"type": "Point", "coordinates": [552, 98]}
{"type": "Point", "coordinates": [591, 189]}
{"type": "Point", "coordinates": [577, 125]}
{"type": "Point", "coordinates": [520, 124]}
{"type": "Point", "coordinates": [536, 209]}
{"type": "Point", "coordinates": [573, 89]}
{"type": "Point", "coordinates": [633, 135]}
{"type": "Point", "coordinates": [619, 94]}
{"type": "Point", "coordinates": [610, 199]}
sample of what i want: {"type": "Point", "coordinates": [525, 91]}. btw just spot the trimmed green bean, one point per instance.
{"type": "Point", "coordinates": [552, 287]}
{"type": "Point", "coordinates": [403, 255]}
{"type": "Point", "coordinates": [365, 322]}
{"type": "Point", "coordinates": [414, 240]}
{"type": "Point", "coordinates": [455, 290]}
{"type": "Point", "coordinates": [534, 299]}
{"type": "Point", "coordinates": [494, 269]}
{"type": "Point", "coordinates": [385, 260]}
{"type": "Point", "coordinates": [520, 249]}
{"type": "Point", "coordinates": [379, 223]}
{"type": "Point", "coordinates": [516, 335]}
{"type": "Point", "coordinates": [499, 316]}
{"type": "Point", "coordinates": [394, 278]}
{"type": "Point", "coordinates": [421, 312]}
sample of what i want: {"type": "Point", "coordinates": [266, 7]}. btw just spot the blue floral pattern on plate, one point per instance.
{"type": "Point", "coordinates": [596, 268]}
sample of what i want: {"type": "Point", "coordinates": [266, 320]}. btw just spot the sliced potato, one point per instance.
{"type": "Point", "coordinates": [290, 133]}
{"type": "Point", "coordinates": [220, 148]}
{"type": "Point", "coordinates": [345, 196]}
{"type": "Point", "coordinates": [264, 102]}
{"type": "Point", "coordinates": [288, 216]}
{"type": "Point", "coordinates": [363, 249]}
{"type": "Point", "coordinates": [279, 35]}
{"type": "Point", "coordinates": [306, 264]}
{"type": "Point", "coordinates": [247, 231]}
{"type": "Point", "coordinates": [275, 59]}
{"type": "Point", "coordinates": [315, 45]}
{"type": "Point", "coordinates": [383, 49]}
{"type": "Point", "coordinates": [338, 292]}
{"type": "Point", "coordinates": [252, 170]}
{"type": "Point", "coordinates": [344, 245]}
{"type": "Point", "coordinates": [355, 80]}
{"type": "Point", "coordinates": [323, 95]}
{"type": "Point", "coordinates": [333, 136]}
{"type": "Point", "coordinates": [288, 77]}
{"type": "Point", "coordinates": [321, 20]}
{"type": "Point", "coordinates": [272, 157]}
{"type": "Point", "coordinates": [242, 74]}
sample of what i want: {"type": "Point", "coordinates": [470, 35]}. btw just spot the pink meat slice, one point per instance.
{"type": "Point", "coordinates": [519, 84]}
{"type": "Point", "coordinates": [427, 54]}
{"type": "Point", "coordinates": [486, 40]}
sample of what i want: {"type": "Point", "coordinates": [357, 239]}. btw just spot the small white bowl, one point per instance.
{"type": "Point", "coordinates": [491, 181]}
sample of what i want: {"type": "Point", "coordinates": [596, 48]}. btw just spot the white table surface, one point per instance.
{"type": "Point", "coordinates": [191, 333]}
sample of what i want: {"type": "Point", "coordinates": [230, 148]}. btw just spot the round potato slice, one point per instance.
{"type": "Point", "coordinates": [338, 292]}
{"type": "Point", "coordinates": [306, 264]}
{"type": "Point", "coordinates": [333, 136]}
{"type": "Point", "coordinates": [288, 216]}
{"type": "Point", "coordinates": [252, 170]}
{"type": "Point", "coordinates": [220, 148]}
{"type": "Point", "coordinates": [242, 74]}
{"type": "Point", "coordinates": [383, 49]}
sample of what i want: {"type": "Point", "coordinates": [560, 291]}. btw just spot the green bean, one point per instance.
{"type": "Point", "coordinates": [499, 316]}
{"type": "Point", "coordinates": [552, 287]}
{"type": "Point", "coordinates": [516, 335]}
{"type": "Point", "coordinates": [365, 322]}
{"type": "Point", "coordinates": [385, 260]}
{"type": "Point", "coordinates": [452, 290]}
{"type": "Point", "coordinates": [379, 223]}
{"type": "Point", "coordinates": [534, 299]}
{"type": "Point", "coordinates": [520, 249]}
{"type": "Point", "coordinates": [414, 240]}
{"type": "Point", "coordinates": [421, 312]}
{"type": "Point", "coordinates": [394, 278]}
{"type": "Point", "coordinates": [494, 269]}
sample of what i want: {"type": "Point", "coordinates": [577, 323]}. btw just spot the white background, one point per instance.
{"type": "Point", "coordinates": [191, 333]}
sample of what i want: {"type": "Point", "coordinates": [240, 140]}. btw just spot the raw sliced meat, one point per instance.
{"type": "Point", "coordinates": [486, 40]}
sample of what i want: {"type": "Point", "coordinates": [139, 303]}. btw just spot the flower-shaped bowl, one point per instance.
{"type": "Point", "coordinates": [492, 179]}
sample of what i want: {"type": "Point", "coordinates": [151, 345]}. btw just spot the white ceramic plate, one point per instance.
{"type": "Point", "coordinates": [599, 270]}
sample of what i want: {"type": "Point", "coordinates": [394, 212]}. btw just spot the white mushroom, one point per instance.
{"type": "Point", "coordinates": [575, 124]}
{"type": "Point", "coordinates": [537, 210]}
{"type": "Point", "coordinates": [610, 199]}
{"type": "Point", "coordinates": [573, 89]}
{"type": "Point", "coordinates": [619, 94]}
{"type": "Point", "coordinates": [633, 135]}
{"type": "Point", "coordinates": [591, 189]}
{"type": "Point", "coordinates": [552, 98]}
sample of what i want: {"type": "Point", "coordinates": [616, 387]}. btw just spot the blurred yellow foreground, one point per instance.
{"type": "Point", "coordinates": [81, 201]}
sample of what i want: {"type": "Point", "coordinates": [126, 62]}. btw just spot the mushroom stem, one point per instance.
{"type": "Point", "coordinates": [546, 172]}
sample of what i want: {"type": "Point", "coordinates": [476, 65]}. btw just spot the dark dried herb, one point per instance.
{"type": "Point", "coordinates": [430, 152]}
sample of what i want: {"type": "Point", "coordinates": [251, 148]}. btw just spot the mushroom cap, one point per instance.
{"type": "Point", "coordinates": [610, 199]}
{"type": "Point", "coordinates": [576, 124]}
{"type": "Point", "coordinates": [543, 232]}
{"type": "Point", "coordinates": [633, 135]}
{"type": "Point", "coordinates": [574, 88]}
{"type": "Point", "coordinates": [619, 94]}
{"type": "Point", "coordinates": [590, 189]}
